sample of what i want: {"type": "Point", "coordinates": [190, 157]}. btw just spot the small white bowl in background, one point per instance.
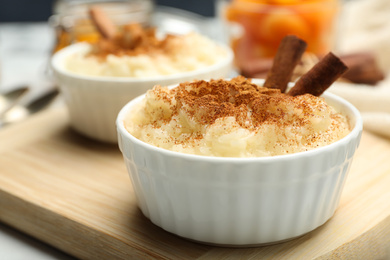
{"type": "Point", "coordinates": [94, 102]}
{"type": "Point", "coordinates": [240, 201]}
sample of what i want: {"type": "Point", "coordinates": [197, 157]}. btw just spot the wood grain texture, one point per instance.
{"type": "Point", "coordinates": [75, 194]}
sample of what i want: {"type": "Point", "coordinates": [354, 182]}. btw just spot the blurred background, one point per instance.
{"type": "Point", "coordinates": [40, 10]}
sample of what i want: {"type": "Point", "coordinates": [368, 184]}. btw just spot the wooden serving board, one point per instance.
{"type": "Point", "coordinates": [75, 194]}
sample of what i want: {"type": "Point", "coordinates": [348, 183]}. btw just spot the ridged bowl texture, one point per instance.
{"type": "Point", "coordinates": [240, 201]}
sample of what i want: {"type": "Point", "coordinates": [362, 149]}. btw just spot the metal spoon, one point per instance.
{"type": "Point", "coordinates": [11, 98]}
{"type": "Point", "coordinates": [20, 112]}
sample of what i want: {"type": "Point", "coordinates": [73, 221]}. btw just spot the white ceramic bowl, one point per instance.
{"type": "Point", "coordinates": [94, 102]}
{"type": "Point", "coordinates": [240, 201]}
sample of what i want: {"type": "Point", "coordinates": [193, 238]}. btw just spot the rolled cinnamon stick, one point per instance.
{"type": "Point", "coordinates": [320, 77]}
{"type": "Point", "coordinates": [287, 57]}
{"type": "Point", "coordinates": [363, 68]}
{"type": "Point", "coordinates": [102, 22]}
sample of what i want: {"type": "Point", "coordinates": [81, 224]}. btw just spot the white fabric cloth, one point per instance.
{"type": "Point", "coordinates": [373, 102]}
{"type": "Point", "coordinates": [365, 25]}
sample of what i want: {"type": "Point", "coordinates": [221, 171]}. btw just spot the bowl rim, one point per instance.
{"type": "Point", "coordinates": [57, 65]}
{"type": "Point", "coordinates": [354, 133]}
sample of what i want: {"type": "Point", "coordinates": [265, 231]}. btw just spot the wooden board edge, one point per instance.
{"type": "Point", "coordinates": [65, 234]}
{"type": "Point", "coordinates": [373, 244]}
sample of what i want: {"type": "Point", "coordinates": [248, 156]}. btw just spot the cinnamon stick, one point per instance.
{"type": "Point", "coordinates": [320, 77]}
{"type": "Point", "coordinates": [102, 22]}
{"type": "Point", "coordinates": [287, 57]}
{"type": "Point", "coordinates": [363, 68]}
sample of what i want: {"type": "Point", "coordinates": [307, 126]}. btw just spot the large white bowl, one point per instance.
{"type": "Point", "coordinates": [240, 201]}
{"type": "Point", "coordinates": [94, 102]}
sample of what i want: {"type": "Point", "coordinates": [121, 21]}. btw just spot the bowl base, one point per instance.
{"type": "Point", "coordinates": [255, 244]}
{"type": "Point", "coordinates": [244, 245]}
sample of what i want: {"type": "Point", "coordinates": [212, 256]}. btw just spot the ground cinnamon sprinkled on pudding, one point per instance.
{"type": "Point", "coordinates": [234, 118]}
{"type": "Point", "coordinates": [138, 52]}
{"type": "Point", "coordinates": [134, 40]}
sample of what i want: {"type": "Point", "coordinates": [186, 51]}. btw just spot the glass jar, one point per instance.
{"type": "Point", "coordinates": [256, 27]}
{"type": "Point", "coordinates": [71, 21]}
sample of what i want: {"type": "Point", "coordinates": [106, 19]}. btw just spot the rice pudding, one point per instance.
{"type": "Point", "coordinates": [234, 118]}
{"type": "Point", "coordinates": [140, 53]}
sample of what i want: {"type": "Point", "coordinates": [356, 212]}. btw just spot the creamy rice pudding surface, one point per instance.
{"type": "Point", "coordinates": [139, 53]}
{"type": "Point", "coordinates": [234, 118]}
